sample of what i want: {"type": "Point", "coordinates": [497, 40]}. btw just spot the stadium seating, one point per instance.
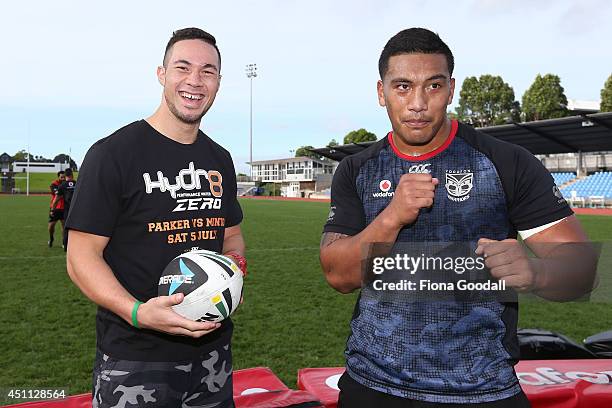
{"type": "Point", "coordinates": [562, 178]}
{"type": "Point", "coordinates": [594, 189]}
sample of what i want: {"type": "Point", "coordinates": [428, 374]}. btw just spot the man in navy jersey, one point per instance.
{"type": "Point", "coordinates": [435, 180]}
{"type": "Point", "coordinates": [154, 189]}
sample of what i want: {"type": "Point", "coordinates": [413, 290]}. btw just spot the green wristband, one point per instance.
{"type": "Point", "coordinates": [135, 313]}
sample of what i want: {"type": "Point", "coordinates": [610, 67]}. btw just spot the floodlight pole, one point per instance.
{"type": "Point", "coordinates": [251, 72]}
{"type": "Point", "coordinates": [28, 174]}
{"type": "Point", "coordinates": [28, 168]}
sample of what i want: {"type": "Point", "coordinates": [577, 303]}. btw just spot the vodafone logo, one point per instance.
{"type": "Point", "coordinates": [549, 376]}
{"type": "Point", "coordinates": [384, 185]}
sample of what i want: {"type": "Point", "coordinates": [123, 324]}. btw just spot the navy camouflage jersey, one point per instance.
{"type": "Point", "coordinates": [443, 352]}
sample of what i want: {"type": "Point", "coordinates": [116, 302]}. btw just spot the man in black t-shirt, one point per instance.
{"type": "Point", "coordinates": [150, 191]}
{"type": "Point", "coordinates": [64, 195]}
{"type": "Point", "coordinates": [433, 181]}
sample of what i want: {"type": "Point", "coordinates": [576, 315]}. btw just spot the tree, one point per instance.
{"type": "Point", "coordinates": [63, 158]}
{"type": "Point", "coordinates": [332, 143]}
{"type": "Point", "coordinates": [304, 152]}
{"type": "Point", "coordinates": [545, 99]}
{"type": "Point", "coordinates": [360, 135]}
{"type": "Point", "coordinates": [487, 101]}
{"type": "Point", "coordinates": [606, 96]}
{"type": "Point", "coordinates": [21, 156]}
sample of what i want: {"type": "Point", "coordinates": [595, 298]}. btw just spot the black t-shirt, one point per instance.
{"type": "Point", "coordinates": [66, 190]}
{"type": "Point", "coordinates": [155, 199]}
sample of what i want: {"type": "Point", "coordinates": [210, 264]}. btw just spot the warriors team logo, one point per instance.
{"type": "Point", "coordinates": [459, 184]}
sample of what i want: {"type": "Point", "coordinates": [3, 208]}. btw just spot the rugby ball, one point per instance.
{"type": "Point", "coordinates": [211, 283]}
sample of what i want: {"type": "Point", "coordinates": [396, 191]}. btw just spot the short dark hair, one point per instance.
{"type": "Point", "coordinates": [191, 33]}
{"type": "Point", "coordinates": [414, 40]}
{"type": "Point", "coordinates": [59, 173]}
{"type": "Point", "coordinates": [68, 172]}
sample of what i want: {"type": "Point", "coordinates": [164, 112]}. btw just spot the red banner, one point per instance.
{"type": "Point", "coordinates": [547, 383]}
{"type": "Point", "coordinates": [260, 388]}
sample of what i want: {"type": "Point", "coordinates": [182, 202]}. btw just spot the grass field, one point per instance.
{"type": "Point", "coordinates": [290, 318]}
{"type": "Point", "coordinates": [39, 182]}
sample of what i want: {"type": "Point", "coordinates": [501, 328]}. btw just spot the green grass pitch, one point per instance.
{"type": "Point", "coordinates": [290, 318]}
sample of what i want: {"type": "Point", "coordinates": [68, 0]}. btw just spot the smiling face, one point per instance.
{"type": "Point", "coordinates": [190, 79]}
{"type": "Point", "coordinates": [416, 90]}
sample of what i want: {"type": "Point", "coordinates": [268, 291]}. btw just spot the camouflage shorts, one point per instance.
{"type": "Point", "coordinates": [200, 383]}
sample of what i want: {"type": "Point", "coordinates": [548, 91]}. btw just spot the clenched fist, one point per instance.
{"type": "Point", "coordinates": [508, 260]}
{"type": "Point", "coordinates": [413, 192]}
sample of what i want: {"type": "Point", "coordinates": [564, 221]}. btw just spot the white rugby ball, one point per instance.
{"type": "Point", "coordinates": [211, 283]}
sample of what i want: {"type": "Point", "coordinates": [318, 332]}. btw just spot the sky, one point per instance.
{"type": "Point", "coordinates": [73, 72]}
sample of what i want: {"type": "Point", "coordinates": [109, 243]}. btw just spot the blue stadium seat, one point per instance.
{"type": "Point", "coordinates": [597, 184]}
{"type": "Point", "coordinates": [561, 178]}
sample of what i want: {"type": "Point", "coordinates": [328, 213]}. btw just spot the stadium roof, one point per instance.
{"type": "Point", "coordinates": [584, 133]}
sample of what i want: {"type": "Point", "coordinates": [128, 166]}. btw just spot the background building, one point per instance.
{"type": "Point", "coordinates": [38, 167]}
{"type": "Point", "coordinates": [297, 176]}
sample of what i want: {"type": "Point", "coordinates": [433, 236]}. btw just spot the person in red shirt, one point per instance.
{"type": "Point", "coordinates": [56, 214]}
{"type": "Point", "coordinates": [63, 195]}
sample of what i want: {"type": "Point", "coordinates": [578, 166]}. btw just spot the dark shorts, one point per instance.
{"type": "Point", "coordinates": [56, 215]}
{"type": "Point", "coordinates": [355, 395]}
{"type": "Point", "coordinates": [205, 382]}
